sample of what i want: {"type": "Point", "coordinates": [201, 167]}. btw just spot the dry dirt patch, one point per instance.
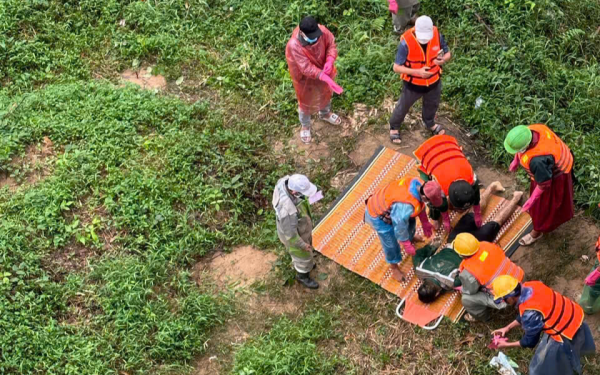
{"type": "Point", "coordinates": [33, 167]}
{"type": "Point", "coordinates": [144, 79]}
{"type": "Point", "coordinates": [241, 267]}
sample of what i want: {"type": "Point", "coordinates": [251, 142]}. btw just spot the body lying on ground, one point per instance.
{"type": "Point", "coordinates": [448, 270]}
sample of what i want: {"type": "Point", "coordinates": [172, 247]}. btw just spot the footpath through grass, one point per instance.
{"type": "Point", "coordinates": [143, 185]}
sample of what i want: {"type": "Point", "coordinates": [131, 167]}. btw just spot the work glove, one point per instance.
{"type": "Point", "coordinates": [458, 288]}
{"type": "Point", "coordinates": [332, 85]}
{"type": "Point", "coordinates": [537, 192]}
{"type": "Point", "coordinates": [393, 6]}
{"type": "Point", "coordinates": [328, 68]}
{"type": "Point", "coordinates": [477, 214]}
{"type": "Point", "coordinates": [591, 279]}
{"type": "Point", "coordinates": [515, 163]}
{"type": "Point", "coordinates": [409, 248]}
{"type": "Point", "coordinates": [427, 228]}
{"type": "Point", "coordinates": [446, 219]}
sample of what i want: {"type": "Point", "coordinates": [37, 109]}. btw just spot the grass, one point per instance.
{"type": "Point", "coordinates": [95, 257]}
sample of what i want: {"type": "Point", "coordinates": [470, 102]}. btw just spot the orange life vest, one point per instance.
{"type": "Point", "coordinates": [380, 203]}
{"type": "Point", "coordinates": [549, 144]}
{"type": "Point", "coordinates": [442, 158]}
{"type": "Point", "coordinates": [417, 58]}
{"type": "Point", "coordinates": [562, 317]}
{"type": "Point", "coordinates": [490, 262]}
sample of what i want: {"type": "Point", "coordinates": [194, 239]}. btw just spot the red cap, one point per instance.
{"type": "Point", "coordinates": [433, 192]}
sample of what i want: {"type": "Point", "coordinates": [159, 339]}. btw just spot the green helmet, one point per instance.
{"type": "Point", "coordinates": [517, 139]}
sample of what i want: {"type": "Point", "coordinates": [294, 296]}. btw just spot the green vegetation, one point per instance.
{"type": "Point", "coordinates": [288, 348]}
{"type": "Point", "coordinates": [95, 258]}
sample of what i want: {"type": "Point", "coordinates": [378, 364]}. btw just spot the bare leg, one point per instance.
{"type": "Point", "coordinates": [508, 210]}
{"type": "Point", "coordinates": [492, 188]}
{"type": "Point", "coordinates": [397, 274]}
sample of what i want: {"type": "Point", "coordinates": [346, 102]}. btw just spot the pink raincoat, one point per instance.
{"type": "Point", "coordinates": [305, 62]}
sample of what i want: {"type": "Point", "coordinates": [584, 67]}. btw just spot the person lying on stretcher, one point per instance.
{"type": "Point", "coordinates": [467, 264]}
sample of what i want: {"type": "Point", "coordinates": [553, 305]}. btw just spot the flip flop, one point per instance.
{"type": "Point", "coordinates": [332, 118]}
{"type": "Point", "coordinates": [437, 129]}
{"type": "Point", "coordinates": [395, 138]}
{"type": "Point", "coordinates": [529, 239]}
{"type": "Point", "coordinates": [305, 136]}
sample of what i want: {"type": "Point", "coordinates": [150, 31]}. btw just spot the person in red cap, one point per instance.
{"type": "Point", "coordinates": [392, 211]}
{"type": "Point", "coordinates": [311, 55]}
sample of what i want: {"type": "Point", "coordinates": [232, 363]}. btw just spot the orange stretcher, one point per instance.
{"type": "Point", "coordinates": [343, 236]}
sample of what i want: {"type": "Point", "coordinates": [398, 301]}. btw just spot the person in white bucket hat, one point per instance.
{"type": "Point", "coordinates": [421, 53]}
{"type": "Point", "coordinates": [292, 198]}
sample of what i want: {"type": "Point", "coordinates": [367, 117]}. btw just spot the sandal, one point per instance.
{"type": "Point", "coordinates": [332, 119]}
{"type": "Point", "coordinates": [305, 136]}
{"type": "Point", "coordinates": [529, 239]}
{"type": "Point", "coordinates": [395, 138]}
{"type": "Point", "coordinates": [437, 130]}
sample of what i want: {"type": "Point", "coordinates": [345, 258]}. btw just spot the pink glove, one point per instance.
{"type": "Point", "coordinates": [328, 68]}
{"type": "Point", "coordinates": [409, 248]}
{"type": "Point", "coordinates": [477, 214]}
{"type": "Point", "coordinates": [393, 6]}
{"type": "Point", "coordinates": [425, 224]}
{"type": "Point", "coordinates": [497, 339]}
{"type": "Point", "coordinates": [332, 85]}
{"type": "Point", "coordinates": [446, 218]}
{"type": "Point", "coordinates": [515, 163]}
{"type": "Point", "coordinates": [537, 192]}
{"type": "Point", "coordinates": [459, 288]}
{"type": "Point", "coordinates": [591, 279]}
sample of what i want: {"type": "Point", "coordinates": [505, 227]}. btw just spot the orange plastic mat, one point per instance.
{"type": "Point", "coordinates": [343, 236]}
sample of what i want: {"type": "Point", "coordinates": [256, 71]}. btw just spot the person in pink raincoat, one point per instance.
{"type": "Point", "coordinates": [311, 54]}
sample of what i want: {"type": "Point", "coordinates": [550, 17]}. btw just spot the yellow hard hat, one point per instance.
{"type": "Point", "coordinates": [503, 285]}
{"type": "Point", "coordinates": [465, 244]}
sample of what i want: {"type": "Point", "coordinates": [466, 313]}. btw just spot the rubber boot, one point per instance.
{"type": "Point", "coordinates": [304, 279]}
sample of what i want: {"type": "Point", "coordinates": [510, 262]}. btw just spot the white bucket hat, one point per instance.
{"type": "Point", "coordinates": [301, 184]}
{"type": "Point", "coordinates": [424, 29]}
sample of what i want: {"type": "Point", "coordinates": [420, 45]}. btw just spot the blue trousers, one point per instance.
{"type": "Point", "coordinates": [389, 243]}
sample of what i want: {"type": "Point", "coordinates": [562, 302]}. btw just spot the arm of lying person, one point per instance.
{"type": "Point", "coordinates": [470, 285]}
{"type": "Point", "coordinates": [422, 254]}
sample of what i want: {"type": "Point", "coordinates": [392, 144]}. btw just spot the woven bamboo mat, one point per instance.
{"type": "Point", "coordinates": [343, 236]}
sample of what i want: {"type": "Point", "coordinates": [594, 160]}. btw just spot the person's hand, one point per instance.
{"type": "Point", "coordinates": [332, 85]}
{"type": "Point", "coordinates": [409, 248]}
{"type": "Point", "coordinates": [592, 278]}
{"type": "Point", "coordinates": [439, 61]}
{"type": "Point", "coordinates": [477, 216]}
{"type": "Point", "coordinates": [527, 205]}
{"type": "Point", "coordinates": [501, 332]}
{"type": "Point", "coordinates": [328, 67]}
{"type": "Point", "coordinates": [436, 224]}
{"type": "Point", "coordinates": [423, 72]}
{"type": "Point", "coordinates": [308, 248]}
{"type": "Point", "coordinates": [502, 344]}
{"type": "Point", "coordinates": [515, 163]}
{"type": "Point", "coordinates": [393, 6]}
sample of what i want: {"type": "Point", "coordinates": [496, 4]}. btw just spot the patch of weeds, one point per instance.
{"type": "Point", "coordinates": [289, 348]}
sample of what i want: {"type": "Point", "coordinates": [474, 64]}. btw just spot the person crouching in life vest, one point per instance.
{"type": "Point", "coordinates": [482, 263]}
{"type": "Point", "coordinates": [565, 337]}
{"type": "Point", "coordinates": [590, 298]}
{"type": "Point", "coordinates": [441, 159]}
{"type": "Point", "coordinates": [549, 163]}
{"type": "Point", "coordinates": [392, 210]}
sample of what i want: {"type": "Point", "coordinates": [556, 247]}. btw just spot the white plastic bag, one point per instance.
{"type": "Point", "coordinates": [505, 365]}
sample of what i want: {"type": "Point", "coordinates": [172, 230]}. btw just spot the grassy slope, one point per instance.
{"type": "Point", "coordinates": [151, 163]}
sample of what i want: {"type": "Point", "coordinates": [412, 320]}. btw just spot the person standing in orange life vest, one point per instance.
{"type": "Point", "coordinates": [549, 163]}
{"type": "Point", "coordinates": [392, 210]}
{"type": "Point", "coordinates": [551, 321]}
{"type": "Point", "coordinates": [421, 53]}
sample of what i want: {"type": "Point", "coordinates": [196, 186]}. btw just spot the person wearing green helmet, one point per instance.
{"type": "Point", "coordinates": [549, 163]}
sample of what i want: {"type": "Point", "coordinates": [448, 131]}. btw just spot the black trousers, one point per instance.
{"type": "Point", "coordinates": [431, 102]}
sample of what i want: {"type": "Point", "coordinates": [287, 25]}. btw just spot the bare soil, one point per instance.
{"type": "Point", "coordinates": [31, 168]}
{"type": "Point", "coordinates": [241, 267]}
{"type": "Point", "coordinates": [144, 79]}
